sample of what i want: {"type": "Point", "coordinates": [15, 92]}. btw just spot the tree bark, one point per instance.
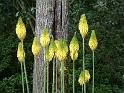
{"type": "Point", "coordinates": [52, 14]}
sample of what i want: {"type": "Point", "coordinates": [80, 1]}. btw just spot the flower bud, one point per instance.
{"type": "Point", "coordinates": [45, 39]}
{"type": "Point", "coordinates": [20, 52]}
{"type": "Point", "coordinates": [52, 49]}
{"type": "Point", "coordinates": [74, 46]}
{"type": "Point", "coordinates": [20, 29]}
{"type": "Point", "coordinates": [61, 49]}
{"type": "Point", "coordinates": [93, 41]}
{"type": "Point", "coordinates": [81, 77]}
{"type": "Point", "coordinates": [74, 56]}
{"type": "Point", "coordinates": [35, 47]}
{"type": "Point", "coordinates": [83, 26]}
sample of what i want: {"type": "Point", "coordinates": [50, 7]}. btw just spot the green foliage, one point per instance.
{"type": "Point", "coordinates": [10, 80]}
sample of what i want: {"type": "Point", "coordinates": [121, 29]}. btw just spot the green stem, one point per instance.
{"type": "Point", "coordinates": [47, 77]}
{"type": "Point", "coordinates": [44, 73]}
{"type": "Point", "coordinates": [22, 78]}
{"type": "Point", "coordinates": [35, 59]}
{"type": "Point", "coordinates": [25, 69]}
{"type": "Point", "coordinates": [26, 77]}
{"type": "Point", "coordinates": [84, 67]}
{"type": "Point", "coordinates": [61, 80]}
{"type": "Point", "coordinates": [93, 73]}
{"type": "Point", "coordinates": [63, 77]}
{"type": "Point", "coordinates": [73, 76]}
{"type": "Point", "coordinates": [53, 75]}
{"type": "Point", "coordinates": [82, 89]}
{"type": "Point", "coordinates": [56, 76]}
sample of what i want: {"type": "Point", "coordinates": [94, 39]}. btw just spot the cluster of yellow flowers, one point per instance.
{"type": "Point", "coordinates": [21, 33]}
{"type": "Point", "coordinates": [35, 47]}
{"type": "Point", "coordinates": [83, 28]}
{"type": "Point", "coordinates": [20, 52]}
{"type": "Point", "coordinates": [45, 38]}
{"type": "Point", "coordinates": [61, 49]}
{"type": "Point", "coordinates": [20, 29]}
{"type": "Point", "coordinates": [57, 48]}
{"type": "Point", "coordinates": [74, 47]}
{"type": "Point", "coordinates": [93, 41]}
{"type": "Point", "coordinates": [82, 77]}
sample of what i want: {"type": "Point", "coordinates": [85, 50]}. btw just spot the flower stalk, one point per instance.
{"type": "Point", "coordinates": [56, 76]}
{"type": "Point", "coordinates": [93, 45]}
{"type": "Point", "coordinates": [93, 71]}
{"type": "Point", "coordinates": [84, 67]}
{"type": "Point", "coordinates": [47, 77]}
{"type": "Point", "coordinates": [53, 76]}
{"type": "Point", "coordinates": [25, 69]}
{"type": "Point", "coordinates": [22, 78]}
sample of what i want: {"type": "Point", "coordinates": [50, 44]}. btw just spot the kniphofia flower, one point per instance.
{"type": "Point", "coordinates": [93, 41]}
{"type": "Point", "coordinates": [20, 29]}
{"type": "Point", "coordinates": [45, 38]}
{"type": "Point", "coordinates": [52, 49]}
{"type": "Point", "coordinates": [83, 26]}
{"type": "Point", "coordinates": [74, 47]}
{"type": "Point", "coordinates": [35, 47]}
{"type": "Point", "coordinates": [81, 77]}
{"type": "Point", "coordinates": [20, 52]}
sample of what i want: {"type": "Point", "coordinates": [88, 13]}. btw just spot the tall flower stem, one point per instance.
{"type": "Point", "coordinates": [56, 75]}
{"type": "Point", "coordinates": [35, 59]}
{"type": "Point", "coordinates": [84, 67]}
{"type": "Point", "coordinates": [47, 77]}
{"type": "Point", "coordinates": [26, 76]}
{"type": "Point", "coordinates": [93, 71]}
{"type": "Point", "coordinates": [62, 77]}
{"type": "Point", "coordinates": [44, 73]}
{"type": "Point", "coordinates": [63, 69]}
{"type": "Point", "coordinates": [61, 80]}
{"type": "Point", "coordinates": [73, 76]}
{"type": "Point", "coordinates": [53, 75]}
{"type": "Point", "coordinates": [25, 69]}
{"type": "Point", "coordinates": [22, 78]}
{"type": "Point", "coordinates": [82, 89]}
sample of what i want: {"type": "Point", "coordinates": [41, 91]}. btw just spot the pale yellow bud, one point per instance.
{"type": "Point", "coordinates": [61, 49]}
{"type": "Point", "coordinates": [20, 52]}
{"type": "Point", "coordinates": [35, 47]}
{"type": "Point", "coordinates": [81, 77]}
{"type": "Point", "coordinates": [45, 39]}
{"type": "Point", "coordinates": [74, 46]}
{"type": "Point", "coordinates": [74, 56]}
{"type": "Point", "coordinates": [93, 41]}
{"type": "Point", "coordinates": [83, 26]}
{"type": "Point", "coordinates": [52, 49]}
{"type": "Point", "coordinates": [20, 29]}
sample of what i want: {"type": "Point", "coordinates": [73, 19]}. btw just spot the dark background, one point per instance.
{"type": "Point", "coordinates": [106, 17]}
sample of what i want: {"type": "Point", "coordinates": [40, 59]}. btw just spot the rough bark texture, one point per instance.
{"type": "Point", "coordinates": [51, 14]}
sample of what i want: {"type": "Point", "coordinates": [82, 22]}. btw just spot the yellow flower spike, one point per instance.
{"type": "Point", "coordinates": [74, 56]}
{"type": "Point", "coordinates": [61, 49]}
{"type": "Point", "coordinates": [20, 29]}
{"type": "Point", "coordinates": [81, 77]}
{"type": "Point", "coordinates": [93, 41]}
{"type": "Point", "coordinates": [35, 47]}
{"type": "Point", "coordinates": [20, 52]}
{"type": "Point", "coordinates": [83, 26]}
{"type": "Point", "coordinates": [52, 49]}
{"type": "Point", "coordinates": [74, 46]}
{"type": "Point", "coordinates": [65, 46]}
{"type": "Point", "coordinates": [45, 38]}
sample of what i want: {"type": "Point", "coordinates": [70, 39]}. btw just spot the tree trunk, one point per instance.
{"type": "Point", "coordinates": [51, 14]}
